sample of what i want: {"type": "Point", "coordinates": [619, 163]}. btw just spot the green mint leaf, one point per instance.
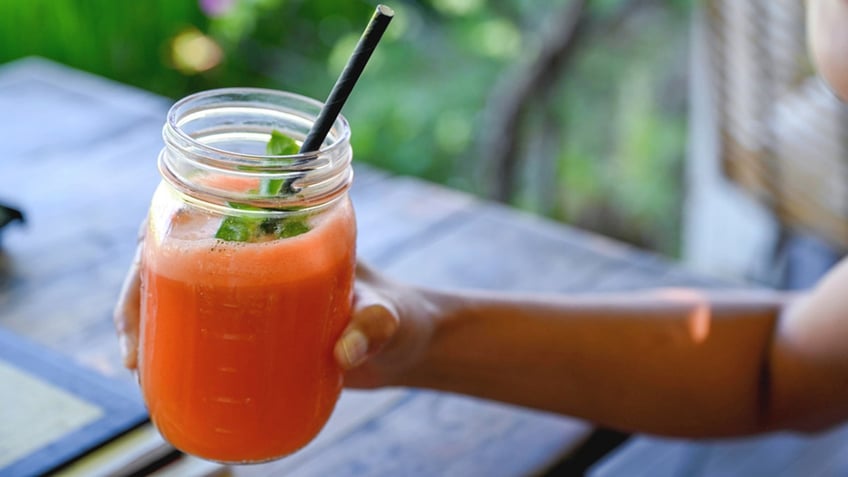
{"type": "Point", "coordinates": [281, 145]}
{"type": "Point", "coordinates": [270, 187]}
{"type": "Point", "coordinates": [244, 229]}
{"type": "Point", "coordinates": [240, 206]}
{"type": "Point", "coordinates": [294, 228]}
{"type": "Point", "coordinates": [285, 227]}
{"type": "Point", "coordinates": [278, 145]}
{"type": "Point", "coordinates": [237, 229]}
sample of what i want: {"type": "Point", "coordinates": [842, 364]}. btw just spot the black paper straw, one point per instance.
{"type": "Point", "coordinates": [344, 85]}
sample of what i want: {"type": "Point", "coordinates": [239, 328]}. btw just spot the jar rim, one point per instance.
{"type": "Point", "coordinates": [189, 159]}
{"type": "Point", "coordinates": [177, 109]}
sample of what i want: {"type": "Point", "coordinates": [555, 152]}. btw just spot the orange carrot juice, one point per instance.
{"type": "Point", "coordinates": [236, 361]}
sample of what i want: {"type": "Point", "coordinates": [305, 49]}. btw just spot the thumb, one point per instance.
{"type": "Point", "coordinates": [373, 324]}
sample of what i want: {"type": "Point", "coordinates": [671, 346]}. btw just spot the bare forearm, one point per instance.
{"type": "Point", "coordinates": [827, 28]}
{"type": "Point", "coordinates": [672, 362]}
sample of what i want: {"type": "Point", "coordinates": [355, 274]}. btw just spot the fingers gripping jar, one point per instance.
{"type": "Point", "coordinates": [247, 277]}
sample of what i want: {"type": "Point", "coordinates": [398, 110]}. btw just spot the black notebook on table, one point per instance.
{"type": "Point", "coordinates": [53, 410]}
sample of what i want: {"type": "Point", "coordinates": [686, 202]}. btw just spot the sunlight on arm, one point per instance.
{"type": "Point", "coordinates": [699, 318]}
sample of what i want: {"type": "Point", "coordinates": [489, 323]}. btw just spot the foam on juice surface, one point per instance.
{"type": "Point", "coordinates": [193, 226]}
{"type": "Point", "coordinates": [188, 250]}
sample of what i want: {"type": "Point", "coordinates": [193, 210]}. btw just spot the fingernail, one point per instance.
{"type": "Point", "coordinates": [355, 347]}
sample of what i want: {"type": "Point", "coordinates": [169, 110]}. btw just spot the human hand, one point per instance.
{"type": "Point", "coordinates": [389, 332]}
{"type": "Point", "coordinates": [827, 29]}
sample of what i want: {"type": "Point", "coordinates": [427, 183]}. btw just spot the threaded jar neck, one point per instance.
{"type": "Point", "coordinates": [215, 150]}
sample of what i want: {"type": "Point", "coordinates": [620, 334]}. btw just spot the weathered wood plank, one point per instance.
{"type": "Point", "coordinates": [431, 434]}
{"type": "Point", "coordinates": [55, 107]}
{"type": "Point", "coordinates": [91, 88]}
{"type": "Point", "coordinates": [780, 454]}
{"type": "Point", "coordinates": [494, 248]}
{"type": "Point", "coordinates": [394, 215]}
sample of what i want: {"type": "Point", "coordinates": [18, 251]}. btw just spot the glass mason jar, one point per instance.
{"type": "Point", "coordinates": [247, 277]}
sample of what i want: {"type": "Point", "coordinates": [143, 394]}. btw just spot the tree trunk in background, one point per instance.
{"type": "Point", "coordinates": [502, 131]}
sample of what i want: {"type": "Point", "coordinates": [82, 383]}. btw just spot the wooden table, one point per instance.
{"type": "Point", "coordinates": [79, 158]}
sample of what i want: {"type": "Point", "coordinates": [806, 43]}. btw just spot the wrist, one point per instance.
{"type": "Point", "coordinates": [431, 312]}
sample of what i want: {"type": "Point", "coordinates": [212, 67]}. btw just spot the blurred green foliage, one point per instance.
{"type": "Point", "coordinates": [623, 110]}
{"type": "Point", "coordinates": [604, 148]}
{"type": "Point", "coordinates": [127, 41]}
